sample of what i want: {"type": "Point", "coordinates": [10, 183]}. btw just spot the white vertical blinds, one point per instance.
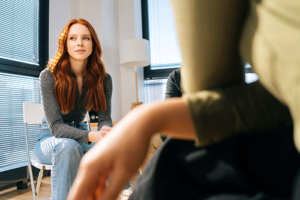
{"type": "Point", "coordinates": [14, 90]}
{"type": "Point", "coordinates": [155, 90]}
{"type": "Point", "coordinates": [164, 47]}
{"type": "Point", "coordinates": [19, 30]}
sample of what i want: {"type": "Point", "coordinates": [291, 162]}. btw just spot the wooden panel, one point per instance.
{"type": "Point", "coordinates": [96, 124]}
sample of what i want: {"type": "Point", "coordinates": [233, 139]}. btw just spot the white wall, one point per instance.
{"type": "Point", "coordinates": [59, 15]}
{"type": "Point", "coordinates": [113, 20]}
{"type": "Point", "coordinates": [130, 26]}
{"type": "Point", "coordinates": [110, 47]}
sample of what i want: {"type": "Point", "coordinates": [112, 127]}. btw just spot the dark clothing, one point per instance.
{"type": "Point", "coordinates": [253, 165]}
{"type": "Point", "coordinates": [173, 88]}
{"type": "Point", "coordinates": [257, 165]}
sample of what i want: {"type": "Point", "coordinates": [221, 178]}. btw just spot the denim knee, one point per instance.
{"type": "Point", "coordinates": [68, 150]}
{"type": "Point", "coordinates": [67, 154]}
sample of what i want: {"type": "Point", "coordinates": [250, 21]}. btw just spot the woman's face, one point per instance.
{"type": "Point", "coordinates": [79, 42]}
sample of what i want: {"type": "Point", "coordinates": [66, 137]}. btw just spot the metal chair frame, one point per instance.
{"type": "Point", "coordinates": [33, 113]}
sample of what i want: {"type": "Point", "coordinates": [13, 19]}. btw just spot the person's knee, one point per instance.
{"type": "Point", "coordinates": [68, 149]}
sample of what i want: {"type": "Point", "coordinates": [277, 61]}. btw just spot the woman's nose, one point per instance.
{"type": "Point", "coordinates": [80, 43]}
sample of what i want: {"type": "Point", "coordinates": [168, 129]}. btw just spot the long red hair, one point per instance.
{"type": "Point", "coordinates": [93, 76]}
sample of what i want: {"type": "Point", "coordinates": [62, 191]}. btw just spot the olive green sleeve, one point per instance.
{"type": "Point", "coordinates": [220, 113]}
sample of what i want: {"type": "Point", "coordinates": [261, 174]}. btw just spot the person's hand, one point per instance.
{"type": "Point", "coordinates": [119, 155]}
{"type": "Point", "coordinates": [122, 151]}
{"type": "Point", "coordinates": [96, 136]}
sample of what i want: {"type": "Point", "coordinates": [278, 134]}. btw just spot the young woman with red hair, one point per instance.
{"type": "Point", "coordinates": [74, 82]}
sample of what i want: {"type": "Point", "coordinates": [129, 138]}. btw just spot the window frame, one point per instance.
{"type": "Point", "coordinates": [22, 68]}
{"type": "Point", "coordinates": [159, 73]}
{"type": "Point", "coordinates": [154, 73]}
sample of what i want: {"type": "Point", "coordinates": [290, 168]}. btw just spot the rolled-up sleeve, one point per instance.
{"type": "Point", "coordinates": [218, 114]}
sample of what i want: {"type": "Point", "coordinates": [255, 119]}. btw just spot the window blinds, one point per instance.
{"type": "Point", "coordinates": [164, 47]}
{"type": "Point", "coordinates": [14, 90]}
{"type": "Point", "coordinates": [19, 32]}
{"type": "Point", "coordinates": [155, 90]}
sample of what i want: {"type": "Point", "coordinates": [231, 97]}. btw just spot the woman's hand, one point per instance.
{"type": "Point", "coordinates": [95, 136]}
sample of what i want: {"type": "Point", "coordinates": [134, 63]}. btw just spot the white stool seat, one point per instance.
{"type": "Point", "coordinates": [40, 165]}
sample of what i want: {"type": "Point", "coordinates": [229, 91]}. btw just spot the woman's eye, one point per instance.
{"type": "Point", "coordinates": [72, 38]}
{"type": "Point", "coordinates": [86, 38]}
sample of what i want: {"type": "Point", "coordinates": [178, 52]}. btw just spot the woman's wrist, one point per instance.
{"type": "Point", "coordinates": [91, 137]}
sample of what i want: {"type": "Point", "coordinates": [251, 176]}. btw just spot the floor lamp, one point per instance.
{"type": "Point", "coordinates": [135, 53]}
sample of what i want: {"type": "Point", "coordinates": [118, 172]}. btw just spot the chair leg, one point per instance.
{"type": "Point", "coordinates": [29, 165]}
{"type": "Point", "coordinates": [39, 181]}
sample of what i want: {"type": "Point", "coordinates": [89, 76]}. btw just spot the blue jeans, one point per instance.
{"type": "Point", "coordinates": [64, 154]}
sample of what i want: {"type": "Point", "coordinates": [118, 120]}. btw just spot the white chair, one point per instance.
{"type": "Point", "coordinates": [33, 113]}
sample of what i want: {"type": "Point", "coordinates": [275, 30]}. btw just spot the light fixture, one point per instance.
{"type": "Point", "coordinates": [135, 53]}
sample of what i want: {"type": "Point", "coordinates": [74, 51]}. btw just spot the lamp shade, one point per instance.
{"type": "Point", "coordinates": [134, 53]}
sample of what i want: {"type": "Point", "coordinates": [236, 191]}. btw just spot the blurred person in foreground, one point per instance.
{"type": "Point", "coordinates": [218, 111]}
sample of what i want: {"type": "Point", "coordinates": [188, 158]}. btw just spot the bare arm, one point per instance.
{"type": "Point", "coordinates": [123, 150]}
{"type": "Point", "coordinates": [174, 119]}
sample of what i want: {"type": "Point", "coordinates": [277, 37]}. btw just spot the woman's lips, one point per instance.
{"type": "Point", "coordinates": [80, 51]}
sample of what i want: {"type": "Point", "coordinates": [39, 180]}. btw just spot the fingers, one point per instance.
{"type": "Point", "coordinates": [103, 132]}
{"type": "Point", "coordinates": [86, 181]}
{"type": "Point", "coordinates": [82, 188]}
{"type": "Point", "coordinates": [106, 128]}
{"type": "Point", "coordinates": [117, 183]}
{"type": "Point", "coordinates": [101, 185]}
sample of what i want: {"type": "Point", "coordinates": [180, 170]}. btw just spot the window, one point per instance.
{"type": "Point", "coordinates": [23, 54]}
{"type": "Point", "coordinates": [14, 90]}
{"type": "Point", "coordinates": [159, 29]}
{"type": "Point", "coordinates": [24, 36]}
{"type": "Point", "coordinates": [155, 90]}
